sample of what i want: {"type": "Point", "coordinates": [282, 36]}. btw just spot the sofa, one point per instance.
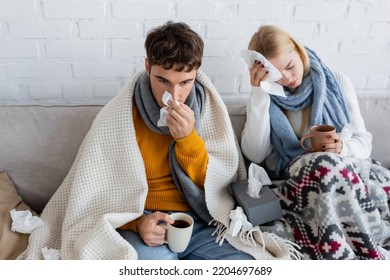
{"type": "Point", "coordinates": [38, 143]}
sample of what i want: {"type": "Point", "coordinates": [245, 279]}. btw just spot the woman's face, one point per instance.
{"type": "Point", "coordinates": [291, 66]}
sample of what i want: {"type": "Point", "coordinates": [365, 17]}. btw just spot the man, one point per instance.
{"type": "Point", "coordinates": [130, 172]}
{"type": "Point", "coordinates": [174, 55]}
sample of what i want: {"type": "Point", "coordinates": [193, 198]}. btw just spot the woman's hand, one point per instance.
{"type": "Point", "coordinates": [150, 231]}
{"type": "Point", "coordinates": [257, 73]}
{"type": "Point", "coordinates": [335, 146]}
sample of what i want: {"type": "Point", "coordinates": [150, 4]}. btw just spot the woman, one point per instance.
{"type": "Point", "coordinates": [336, 202]}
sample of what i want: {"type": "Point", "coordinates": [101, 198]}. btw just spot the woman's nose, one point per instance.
{"type": "Point", "coordinates": [286, 77]}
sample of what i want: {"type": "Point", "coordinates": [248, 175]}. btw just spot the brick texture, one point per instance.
{"type": "Point", "coordinates": [85, 50]}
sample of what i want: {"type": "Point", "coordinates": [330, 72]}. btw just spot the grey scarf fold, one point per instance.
{"type": "Point", "coordinates": [150, 113]}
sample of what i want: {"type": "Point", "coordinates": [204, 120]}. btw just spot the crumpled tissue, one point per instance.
{"type": "Point", "coordinates": [24, 221]}
{"type": "Point", "coordinates": [50, 254]}
{"type": "Point", "coordinates": [269, 84]}
{"type": "Point", "coordinates": [238, 221]}
{"type": "Point", "coordinates": [164, 110]}
{"type": "Point", "coordinates": [257, 177]}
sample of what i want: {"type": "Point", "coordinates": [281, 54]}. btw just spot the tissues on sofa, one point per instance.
{"type": "Point", "coordinates": [261, 207]}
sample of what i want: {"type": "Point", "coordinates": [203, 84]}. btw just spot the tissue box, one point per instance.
{"type": "Point", "coordinates": [260, 210]}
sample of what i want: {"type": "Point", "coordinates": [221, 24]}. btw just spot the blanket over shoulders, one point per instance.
{"type": "Point", "coordinates": [106, 186]}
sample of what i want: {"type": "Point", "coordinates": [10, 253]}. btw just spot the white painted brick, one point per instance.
{"type": "Point", "coordinates": [361, 46]}
{"type": "Point", "coordinates": [379, 30]}
{"type": "Point", "coordinates": [65, 49]}
{"type": "Point", "coordinates": [128, 49]}
{"type": "Point", "coordinates": [226, 84]}
{"type": "Point", "coordinates": [325, 12]}
{"type": "Point", "coordinates": [101, 70]}
{"type": "Point", "coordinates": [73, 10]}
{"type": "Point", "coordinates": [230, 30]}
{"type": "Point", "coordinates": [357, 11]}
{"type": "Point", "coordinates": [264, 11]}
{"type": "Point", "coordinates": [106, 89]}
{"type": "Point", "coordinates": [117, 30]}
{"type": "Point", "coordinates": [378, 81]}
{"type": "Point", "coordinates": [379, 11]}
{"type": "Point", "coordinates": [2, 71]}
{"type": "Point", "coordinates": [238, 45]}
{"type": "Point", "coordinates": [15, 9]}
{"type": "Point", "coordinates": [77, 91]}
{"type": "Point", "coordinates": [322, 46]}
{"type": "Point", "coordinates": [6, 92]}
{"type": "Point", "coordinates": [19, 49]}
{"type": "Point", "coordinates": [343, 30]}
{"type": "Point", "coordinates": [359, 67]}
{"type": "Point", "coordinates": [216, 48]}
{"type": "Point", "coordinates": [137, 10]}
{"type": "Point", "coordinates": [45, 91]}
{"type": "Point", "coordinates": [223, 66]}
{"type": "Point", "coordinates": [48, 29]}
{"type": "Point", "coordinates": [38, 70]}
{"type": "Point", "coordinates": [299, 29]}
{"type": "Point", "coordinates": [208, 10]}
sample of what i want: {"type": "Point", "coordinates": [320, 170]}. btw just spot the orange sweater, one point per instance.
{"type": "Point", "coordinates": [192, 155]}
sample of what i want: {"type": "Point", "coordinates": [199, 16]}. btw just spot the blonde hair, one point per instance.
{"type": "Point", "coordinates": [271, 41]}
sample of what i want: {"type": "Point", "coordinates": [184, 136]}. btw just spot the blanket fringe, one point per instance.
{"type": "Point", "coordinates": [293, 248]}
{"type": "Point", "coordinates": [220, 230]}
{"type": "Point", "coordinates": [254, 237]}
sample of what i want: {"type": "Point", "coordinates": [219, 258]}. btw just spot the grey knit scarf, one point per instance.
{"type": "Point", "coordinates": [150, 113]}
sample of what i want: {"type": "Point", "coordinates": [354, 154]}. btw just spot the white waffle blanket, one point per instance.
{"type": "Point", "coordinates": [106, 186]}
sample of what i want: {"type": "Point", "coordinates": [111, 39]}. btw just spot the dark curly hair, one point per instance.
{"type": "Point", "coordinates": [174, 45]}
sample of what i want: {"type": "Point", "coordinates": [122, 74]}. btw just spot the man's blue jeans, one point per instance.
{"type": "Point", "coordinates": [201, 247]}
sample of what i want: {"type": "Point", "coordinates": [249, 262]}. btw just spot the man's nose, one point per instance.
{"type": "Point", "coordinates": [175, 92]}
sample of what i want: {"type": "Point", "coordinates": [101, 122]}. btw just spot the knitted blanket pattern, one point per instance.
{"type": "Point", "coordinates": [336, 208]}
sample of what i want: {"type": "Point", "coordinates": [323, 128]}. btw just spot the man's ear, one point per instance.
{"type": "Point", "coordinates": [147, 66]}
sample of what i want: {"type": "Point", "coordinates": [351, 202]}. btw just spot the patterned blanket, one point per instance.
{"type": "Point", "coordinates": [336, 208]}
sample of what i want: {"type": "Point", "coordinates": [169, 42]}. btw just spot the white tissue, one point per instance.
{"type": "Point", "coordinates": [50, 254]}
{"type": "Point", "coordinates": [238, 220]}
{"type": "Point", "coordinates": [257, 178]}
{"type": "Point", "coordinates": [164, 110]}
{"type": "Point", "coordinates": [24, 221]}
{"type": "Point", "coordinates": [274, 74]}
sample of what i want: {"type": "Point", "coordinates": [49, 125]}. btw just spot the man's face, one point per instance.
{"type": "Point", "coordinates": [178, 84]}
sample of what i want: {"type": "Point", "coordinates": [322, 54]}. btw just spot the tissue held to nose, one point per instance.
{"type": "Point", "coordinates": [163, 111]}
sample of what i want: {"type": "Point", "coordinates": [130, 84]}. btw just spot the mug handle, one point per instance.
{"type": "Point", "coordinates": [310, 135]}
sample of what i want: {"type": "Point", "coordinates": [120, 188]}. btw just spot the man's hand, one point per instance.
{"type": "Point", "coordinates": [180, 120]}
{"type": "Point", "coordinates": [149, 230]}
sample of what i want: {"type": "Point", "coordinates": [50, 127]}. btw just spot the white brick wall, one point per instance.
{"type": "Point", "coordinates": [79, 51]}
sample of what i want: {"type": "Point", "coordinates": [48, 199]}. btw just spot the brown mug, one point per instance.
{"type": "Point", "coordinates": [319, 134]}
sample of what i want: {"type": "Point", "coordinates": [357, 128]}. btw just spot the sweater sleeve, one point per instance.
{"type": "Point", "coordinates": [192, 156]}
{"type": "Point", "coordinates": [357, 141]}
{"type": "Point", "coordinates": [255, 137]}
{"type": "Point", "coordinates": [130, 226]}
